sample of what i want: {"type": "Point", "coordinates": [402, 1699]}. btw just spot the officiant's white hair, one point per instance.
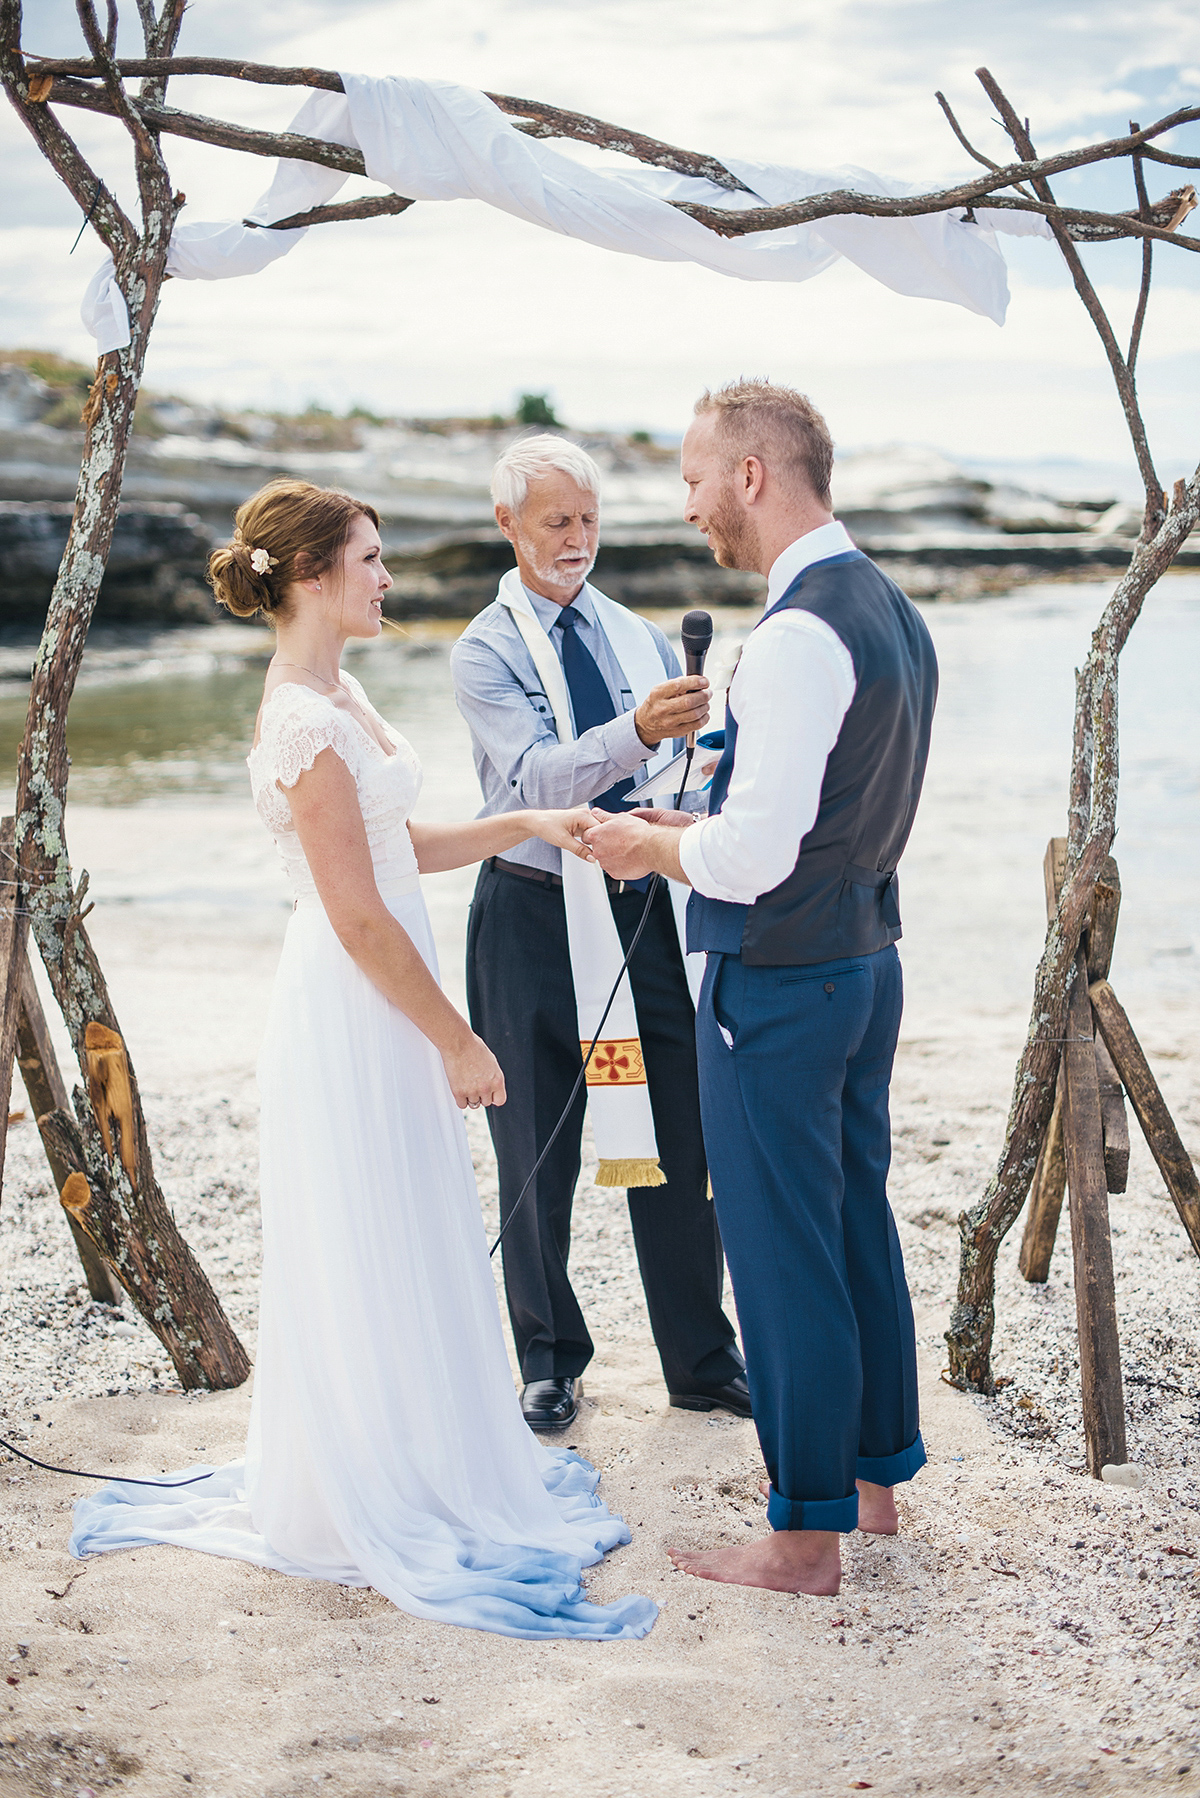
{"type": "Point", "coordinates": [531, 457]}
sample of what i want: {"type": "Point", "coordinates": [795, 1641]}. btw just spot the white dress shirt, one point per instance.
{"type": "Point", "coordinates": [789, 694]}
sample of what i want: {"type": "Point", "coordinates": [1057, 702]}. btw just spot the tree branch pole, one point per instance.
{"type": "Point", "coordinates": [152, 1260]}
{"type": "Point", "coordinates": [1091, 826]}
{"type": "Point", "coordinates": [1122, 373]}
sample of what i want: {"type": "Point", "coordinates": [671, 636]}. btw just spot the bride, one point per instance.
{"type": "Point", "coordinates": [386, 1444]}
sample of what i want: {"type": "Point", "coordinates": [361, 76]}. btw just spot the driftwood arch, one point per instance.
{"type": "Point", "coordinates": [116, 1197]}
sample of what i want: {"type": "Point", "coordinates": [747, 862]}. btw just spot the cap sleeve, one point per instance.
{"type": "Point", "coordinates": [297, 726]}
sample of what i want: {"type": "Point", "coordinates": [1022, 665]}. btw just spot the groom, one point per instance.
{"type": "Point", "coordinates": [795, 901]}
{"type": "Point", "coordinates": [521, 987]}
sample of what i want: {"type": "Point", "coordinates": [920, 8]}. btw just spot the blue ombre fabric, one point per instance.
{"type": "Point", "coordinates": [509, 1590]}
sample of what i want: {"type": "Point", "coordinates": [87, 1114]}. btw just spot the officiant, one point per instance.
{"type": "Point", "coordinates": [569, 697]}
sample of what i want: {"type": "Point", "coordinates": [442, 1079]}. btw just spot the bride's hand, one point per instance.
{"type": "Point", "coordinates": [563, 830]}
{"type": "Point", "coordinates": [474, 1074]}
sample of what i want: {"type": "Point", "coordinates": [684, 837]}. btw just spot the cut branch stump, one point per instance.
{"type": "Point", "coordinates": [63, 1141]}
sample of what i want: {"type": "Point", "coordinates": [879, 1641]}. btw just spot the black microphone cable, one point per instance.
{"type": "Point", "coordinates": [80, 1473]}
{"type": "Point", "coordinates": [652, 890]}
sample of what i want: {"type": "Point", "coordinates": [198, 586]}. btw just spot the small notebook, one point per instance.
{"type": "Point", "coordinates": [662, 788]}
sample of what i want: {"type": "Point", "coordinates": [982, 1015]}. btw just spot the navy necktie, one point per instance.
{"type": "Point", "coordinates": [591, 700]}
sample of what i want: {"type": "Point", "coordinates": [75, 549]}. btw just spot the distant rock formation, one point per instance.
{"type": "Point", "coordinates": [155, 571]}
{"type": "Point", "coordinates": [942, 532]}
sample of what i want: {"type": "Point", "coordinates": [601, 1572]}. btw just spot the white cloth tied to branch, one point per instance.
{"type": "Point", "coordinates": [435, 140]}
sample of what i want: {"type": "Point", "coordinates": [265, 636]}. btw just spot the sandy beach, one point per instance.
{"type": "Point", "coordinates": [1030, 1629]}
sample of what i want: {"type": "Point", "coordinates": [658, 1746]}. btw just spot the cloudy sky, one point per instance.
{"type": "Point", "coordinates": [456, 308]}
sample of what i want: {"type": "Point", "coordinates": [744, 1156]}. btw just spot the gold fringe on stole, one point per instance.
{"type": "Point", "coordinates": [630, 1173]}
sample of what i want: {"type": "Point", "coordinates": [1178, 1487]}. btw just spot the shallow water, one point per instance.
{"type": "Point", "coordinates": [160, 724]}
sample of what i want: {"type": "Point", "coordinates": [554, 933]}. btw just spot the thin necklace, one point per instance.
{"type": "Point", "coordinates": [312, 671]}
{"type": "Point", "coordinates": [304, 669]}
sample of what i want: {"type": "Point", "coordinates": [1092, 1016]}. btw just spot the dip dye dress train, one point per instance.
{"type": "Point", "coordinates": [386, 1444]}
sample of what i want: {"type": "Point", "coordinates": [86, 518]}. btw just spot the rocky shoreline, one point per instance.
{"type": "Point", "coordinates": [943, 533]}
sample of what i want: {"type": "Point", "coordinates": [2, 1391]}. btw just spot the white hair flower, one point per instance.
{"type": "Point", "coordinates": [260, 561]}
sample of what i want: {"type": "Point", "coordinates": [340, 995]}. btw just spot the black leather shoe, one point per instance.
{"type": "Point", "coordinates": [551, 1404]}
{"type": "Point", "coordinates": [733, 1396]}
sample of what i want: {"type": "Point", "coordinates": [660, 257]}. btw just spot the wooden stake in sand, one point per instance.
{"type": "Point", "coordinates": [1095, 1296]}
{"type": "Point", "coordinates": [14, 934]}
{"type": "Point", "coordinates": [1045, 1198]}
{"type": "Point", "coordinates": [1050, 1178]}
{"type": "Point", "coordinates": [44, 1086]}
{"type": "Point", "coordinates": [1158, 1126]}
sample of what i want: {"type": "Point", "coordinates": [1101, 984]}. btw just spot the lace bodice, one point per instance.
{"type": "Point", "coordinates": [297, 724]}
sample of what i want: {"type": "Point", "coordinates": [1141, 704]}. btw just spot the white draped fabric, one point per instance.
{"type": "Point", "coordinates": [436, 140]}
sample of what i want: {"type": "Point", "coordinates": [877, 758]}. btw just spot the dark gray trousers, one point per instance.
{"type": "Point", "coordinates": [522, 1002]}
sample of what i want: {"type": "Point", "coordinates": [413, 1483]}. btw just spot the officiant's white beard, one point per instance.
{"type": "Point", "coordinates": [567, 577]}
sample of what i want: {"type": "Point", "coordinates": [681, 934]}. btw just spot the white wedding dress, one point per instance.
{"type": "Point", "coordinates": [386, 1445]}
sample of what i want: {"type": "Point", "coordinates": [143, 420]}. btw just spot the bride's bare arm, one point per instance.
{"type": "Point", "coordinates": [329, 823]}
{"type": "Point", "coordinates": [442, 846]}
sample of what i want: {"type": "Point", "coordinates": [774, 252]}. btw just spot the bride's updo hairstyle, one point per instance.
{"type": "Point", "coordinates": [286, 532]}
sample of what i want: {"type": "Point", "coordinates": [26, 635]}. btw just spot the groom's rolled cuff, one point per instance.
{"type": "Point", "coordinates": [841, 1514]}
{"type": "Point", "coordinates": [893, 1470]}
{"type": "Point", "coordinates": [812, 1513]}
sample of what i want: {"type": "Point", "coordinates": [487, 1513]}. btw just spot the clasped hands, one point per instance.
{"type": "Point", "coordinates": [623, 843]}
{"type": "Point", "coordinates": [626, 844]}
{"type": "Point", "coordinates": [620, 841]}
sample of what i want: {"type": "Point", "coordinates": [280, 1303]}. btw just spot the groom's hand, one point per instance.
{"type": "Point", "coordinates": [620, 844]}
{"type": "Point", "coordinates": [672, 710]}
{"type": "Point", "coordinates": [652, 814]}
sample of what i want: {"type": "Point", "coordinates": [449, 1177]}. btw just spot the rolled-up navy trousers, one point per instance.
{"type": "Point", "coordinates": [795, 1065]}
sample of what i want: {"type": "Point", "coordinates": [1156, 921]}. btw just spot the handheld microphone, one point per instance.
{"type": "Point", "coordinates": [696, 635]}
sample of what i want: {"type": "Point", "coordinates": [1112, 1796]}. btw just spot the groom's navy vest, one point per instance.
{"type": "Point", "coordinates": [841, 898]}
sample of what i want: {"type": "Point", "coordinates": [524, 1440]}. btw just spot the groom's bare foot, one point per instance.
{"type": "Point", "coordinates": [877, 1514]}
{"type": "Point", "coordinates": [876, 1509]}
{"type": "Point", "coordinates": [787, 1561]}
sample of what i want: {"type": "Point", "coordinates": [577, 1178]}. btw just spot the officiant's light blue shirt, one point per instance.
{"type": "Point", "coordinates": [518, 757]}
